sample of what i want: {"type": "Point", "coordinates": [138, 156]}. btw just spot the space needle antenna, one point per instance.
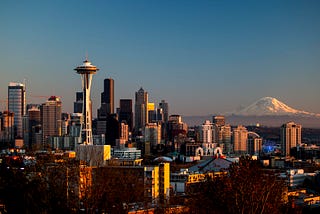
{"type": "Point", "coordinates": [87, 56]}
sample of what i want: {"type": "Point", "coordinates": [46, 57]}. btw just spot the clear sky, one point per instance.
{"type": "Point", "coordinates": [203, 57]}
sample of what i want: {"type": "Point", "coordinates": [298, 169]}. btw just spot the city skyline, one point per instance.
{"type": "Point", "coordinates": [202, 57]}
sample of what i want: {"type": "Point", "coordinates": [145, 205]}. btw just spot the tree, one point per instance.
{"type": "Point", "coordinates": [247, 188]}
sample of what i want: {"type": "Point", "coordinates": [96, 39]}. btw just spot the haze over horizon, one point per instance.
{"type": "Point", "coordinates": [202, 57]}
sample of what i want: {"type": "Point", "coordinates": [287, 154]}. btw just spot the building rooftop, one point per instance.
{"type": "Point", "coordinates": [211, 165]}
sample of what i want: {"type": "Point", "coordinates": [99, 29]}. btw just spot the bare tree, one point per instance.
{"type": "Point", "coordinates": [247, 188]}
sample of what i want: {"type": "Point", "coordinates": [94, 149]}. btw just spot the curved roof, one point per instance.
{"type": "Point", "coordinates": [163, 159]}
{"type": "Point", "coordinates": [254, 134]}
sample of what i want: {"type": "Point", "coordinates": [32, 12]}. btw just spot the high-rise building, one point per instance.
{"type": "Point", "coordinates": [17, 105]}
{"type": "Point", "coordinates": [86, 70]}
{"type": "Point", "coordinates": [157, 186]}
{"type": "Point", "coordinates": [78, 104]}
{"type": "Point", "coordinates": [165, 109]}
{"type": "Point", "coordinates": [176, 127]}
{"type": "Point", "coordinates": [65, 120]}
{"type": "Point", "coordinates": [156, 116]}
{"type": "Point", "coordinates": [290, 137]}
{"type": "Point", "coordinates": [225, 138]}
{"type": "Point", "coordinates": [150, 110]}
{"type": "Point", "coordinates": [124, 132]}
{"type": "Point", "coordinates": [34, 117]}
{"type": "Point", "coordinates": [150, 106]}
{"type": "Point", "coordinates": [7, 129]}
{"type": "Point", "coordinates": [218, 120]}
{"type": "Point", "coordinates": [152, 135]}
{"type": "Point", "coordinates": [75, 124]}
{"type": "Point", "coordinates": [240, 138]}
{"type": "Point", "coordinates": [112, 129]}
{"type": "Point", "coordinates": [141, 113]}
{"type": "Point", "coordinates": [222, 133]}
{"type": "Point", "coordinates": [254, 144]}
{"type": "Point", "coordinates": [107, 97]}
{"type": "Point", "coordinates": [125, 113]}
{"type": "Point", "coordinates": [51, 118]}
{"type": "Point", "coordinates": [206, 134]}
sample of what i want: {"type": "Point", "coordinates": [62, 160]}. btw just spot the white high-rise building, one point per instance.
{"type": "Point", "coordinates": [206, 132]}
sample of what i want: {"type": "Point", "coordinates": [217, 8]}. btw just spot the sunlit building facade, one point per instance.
{"type": "Point", "coordinates": [206, 134]}
{"type": "Point", "coordinates": [290, 137]}
{"type": "Point", "coordinates": [7, 128]}
{"type": "Point", "coordinates": [51, 118]}
{"type": "Point", "coordinates": [240, 138]}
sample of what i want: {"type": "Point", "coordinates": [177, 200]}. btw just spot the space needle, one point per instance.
{"type": "Point", "coordinates": [86, 70]}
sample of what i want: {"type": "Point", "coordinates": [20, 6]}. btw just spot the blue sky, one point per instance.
{"type": "Point", "coordinates": [203, 57]}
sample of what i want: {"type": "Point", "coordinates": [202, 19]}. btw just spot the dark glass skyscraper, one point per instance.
{"type": "Point", "coordinates": [125, 112]}
{"type": "Point", "coordinates": [17, 105]}
{"type": "Point", "coordinates": [165, 109]}
{"type": "Point", "coordinates": [107, 96]}
{"type": "Point", "coordinates": [78, 104]}
{"type": "Point", "coordinates": [141, 113]}
{"type": "Point", "coordinates": [113, 129]}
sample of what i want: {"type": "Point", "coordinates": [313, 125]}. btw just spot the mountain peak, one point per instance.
{"type": "Point", "coordinates": [270, 106]}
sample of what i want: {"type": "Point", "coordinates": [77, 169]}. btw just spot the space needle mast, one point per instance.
{"type": "Point", "coordinates": [86, 70]}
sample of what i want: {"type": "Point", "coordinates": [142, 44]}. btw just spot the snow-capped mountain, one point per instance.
{"type": "Point", "coordinates": [269, 106]}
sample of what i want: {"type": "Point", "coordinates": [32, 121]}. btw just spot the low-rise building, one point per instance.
{"type": "Point", "coordinates": [126, 153]}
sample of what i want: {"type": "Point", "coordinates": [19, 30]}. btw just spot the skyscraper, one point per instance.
{"type": "Point", "coordinates": [141, 113]}
{"type": "Point", "coordinates": [51, 118]}
{"type": "Point", "coordinates": [107, 97]}
{"type": "Point", "coordinates": [176, 127]}
{"type": "Point", "coordinates": [165, 109]}
{"type": "Point", "coordinates": [86, 70]}
{"type": "Point", "coordinates": [78, 104]}
{"type": "Point", "coordinates": [240, 139]}
{"type": "Point", "coordinates": [218, 120]}
{"type": "Point", "coordinates": [150, 109]}
{"type": "Point", "coordinates": [254, 144]}
{"type": "Point", "coordinates": [225, 137]}
{"type": "Point", "coordinates": [222, 133]}
{"type": "Point", "coordinates": [7, 128]}
{"type": "Point", "coordinates": [290, 137]}
{"type": "Point", "coordinates": [206, 135]}
{"type": "Point", "coordinates": [17, 105]}
{"type": "Point", "coordinates": [34, 116]}
{"type": "Point", "coordinates": [156, 116]}
{"type": "Point", "coordinates": [152, 136]}
{"type": "Point", "coordinates": [113, 129]}
{"type": "Point", "coordinates": [125, 112]}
